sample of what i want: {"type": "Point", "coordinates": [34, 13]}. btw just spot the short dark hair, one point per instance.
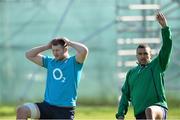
{"type": "Point", "coordinates": [58, 41]}
{"type": "Point", "coordinates": [143, 46]}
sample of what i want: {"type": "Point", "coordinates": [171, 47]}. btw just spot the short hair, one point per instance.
{"type": "Point", "coordinates": [58, 41]}
{"type": "Point", "coordinates": [143, 45]}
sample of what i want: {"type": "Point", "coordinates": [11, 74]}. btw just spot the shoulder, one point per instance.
{"type": "Point", "coordinates": [133, 69]}
{"type": "Point", "coordinates": [46, 60]}
{"type": "Point", "coordinates": [73, 58]}
{"type": "Point", "coordinates": [154, 61]}
{"type": "Point", "coordinates": [47, 57]}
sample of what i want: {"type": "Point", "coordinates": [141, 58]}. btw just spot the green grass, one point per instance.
{"type": "Point", "coordinates": [97, 112]}
{"type": "Point", "coordinates": [7, 112]}
{"type": "Point", "coordinates": [91, 113]}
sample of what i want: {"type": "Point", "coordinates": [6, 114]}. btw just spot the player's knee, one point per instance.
{"type": "Point", "coordinates": [22, 112]}
{"type": "Point", "coordinates": [33, 110]}
{"type": "Point", "coordinates": [149, 113]}
{"type": "Point", "coordinates": [148, 110]}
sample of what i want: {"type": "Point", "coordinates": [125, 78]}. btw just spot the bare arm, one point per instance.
{"type": "Point", "coordinates": [161, 19]}
{"type": "Point", "coordinates": [34, 54]}
{"type": "Point", "coordinates": [81, 50]}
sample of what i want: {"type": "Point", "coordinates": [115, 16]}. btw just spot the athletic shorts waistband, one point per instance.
{"type": "Point", "coordinates": [63, 107]}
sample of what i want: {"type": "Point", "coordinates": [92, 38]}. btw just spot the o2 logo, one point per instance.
{"type": "Point", "coordinates": [58, 75]}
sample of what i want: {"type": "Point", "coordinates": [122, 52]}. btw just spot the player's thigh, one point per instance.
{"type": "Point", "coordinates": [157, 112]}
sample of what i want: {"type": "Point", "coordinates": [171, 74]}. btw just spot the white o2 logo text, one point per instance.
{"type": "Point", "coordinates": [59, 76]}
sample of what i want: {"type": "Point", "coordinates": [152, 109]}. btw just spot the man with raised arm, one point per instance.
{"type": "Point", "coordinates": [144, 84]}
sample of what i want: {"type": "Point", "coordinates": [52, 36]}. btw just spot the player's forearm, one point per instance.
{"type": "Point", "coordinates": [166, 48]}
{"type": "Point", "coordinates": [80, 48]}
{"type": "Point", "coordinates": [123, 107]}
{"type": "Point", "coordinates": [166, 34]}
{"type": "Point", "coordinates": [167, 42]}
{"type": "Point", "coordinates": [36, 50]}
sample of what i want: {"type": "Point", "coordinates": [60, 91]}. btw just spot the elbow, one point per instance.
{"type": "Point", "coordinates": [85, 51]}
{"type": "Point", "coordinates": [27, 55]}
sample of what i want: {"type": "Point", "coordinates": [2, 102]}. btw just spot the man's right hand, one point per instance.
{"type": "Point", "coordinates": [120, 118]}
{"type": "Point", "coordinates": [49, 45]}
{"type": "Point", "coordinates": [161, 19]}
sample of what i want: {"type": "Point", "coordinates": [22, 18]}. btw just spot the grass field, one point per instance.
{"type": "Point", "coordinates": [91, 113]}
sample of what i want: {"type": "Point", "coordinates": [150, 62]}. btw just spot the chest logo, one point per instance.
{"type": "Point", "coordinates": [58, 75]}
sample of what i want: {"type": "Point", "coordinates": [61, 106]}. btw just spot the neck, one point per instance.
{"type": "Point", "coordinates": [64, 58]}
{"type": "Point", "coordinates": [141, 64]}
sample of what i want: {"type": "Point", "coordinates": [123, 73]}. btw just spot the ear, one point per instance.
{"type": "Point", "coordinates": [65, 49]}
{"type": "Point", "coordinates": [150, 55]}
{"type": "Point", "coordinates": [150, 52]}
{"type": "Point", "coordinates": [136, 54]}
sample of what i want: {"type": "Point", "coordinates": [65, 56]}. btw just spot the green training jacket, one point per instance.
{"type": "Point", "coordinates": [144, 86]}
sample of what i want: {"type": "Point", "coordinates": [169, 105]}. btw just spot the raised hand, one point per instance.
{"type": "Point", "coordinates": [49, 45]}
{"type": "Point", "coordinates": [161, 19]}
{"type": "Point", "coordinates": [66, 40]}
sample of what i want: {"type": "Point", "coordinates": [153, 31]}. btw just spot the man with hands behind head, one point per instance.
{"type": "Point", "coordinates": [63, 77]}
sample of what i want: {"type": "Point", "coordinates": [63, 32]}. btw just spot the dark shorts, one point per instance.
{"type": "Point", "coordinates": [48, 111]}
{"type": "Point", "coordinates": [142, 115]}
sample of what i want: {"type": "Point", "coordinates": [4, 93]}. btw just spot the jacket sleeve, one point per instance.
{"type": "Point", "coordinates": [125, 98]}
{"type": "Point", "coordinates": [165, 52]}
